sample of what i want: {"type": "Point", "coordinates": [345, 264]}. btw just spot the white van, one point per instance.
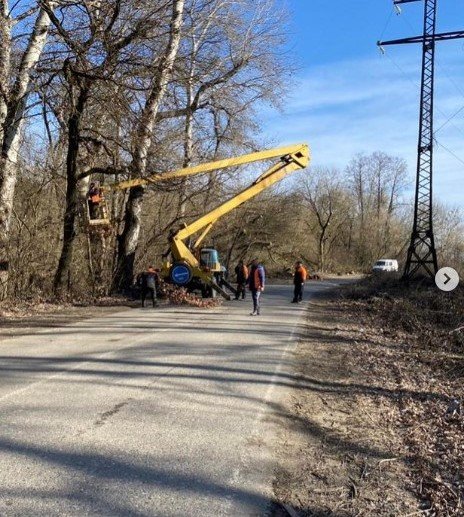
{"type": "Point", "coordinates": [385, 265]}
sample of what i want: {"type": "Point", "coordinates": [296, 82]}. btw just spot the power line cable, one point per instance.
{"type": "Point", "coordinates": [387, 24]}
{"type": "Point", "coordinates": [439, 65]}
{"type": "Point", "coordinates": [445, 123]}
{"type": "Point", "coordinates": [452, 153]}
{"type": "Point", "coordinates": [450, 119]}
{"type": "Point", "coordinates": [447, 117]}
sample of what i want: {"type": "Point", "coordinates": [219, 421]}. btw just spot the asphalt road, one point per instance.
{"type": "Point", "coordinates": [147, 412]}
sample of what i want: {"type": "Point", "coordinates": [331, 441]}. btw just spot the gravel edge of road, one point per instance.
{"type": "Point", "coordinates": [341, 453]}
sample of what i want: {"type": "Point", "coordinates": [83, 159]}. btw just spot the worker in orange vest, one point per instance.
{"type": "Point", "coordinates": [94, 197]}
{"type": "Point", "coordinates": [299, 278]}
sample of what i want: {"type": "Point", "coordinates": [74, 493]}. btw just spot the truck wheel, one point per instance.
{"type": "Point", "coordinates": [180, 273]}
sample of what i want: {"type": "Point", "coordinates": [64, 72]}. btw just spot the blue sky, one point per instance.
{"type": "Point", "coordinates": [348, 98]}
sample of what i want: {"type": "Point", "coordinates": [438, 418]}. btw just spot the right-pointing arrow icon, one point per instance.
{"type": "Point", "coordinates": [447, 279]}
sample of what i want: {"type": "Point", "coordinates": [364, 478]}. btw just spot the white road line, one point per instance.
{"type": "Point", "coordinates": [265, 408]}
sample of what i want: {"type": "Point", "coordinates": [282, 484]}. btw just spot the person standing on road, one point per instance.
{"type": "Point", "coordinates": [299, 278]}
{"type": "Point", "coordinates": [256, 280]}
{"type": "Point", "coordinates": [147, 282]}
{"type": "Point", "coordinates": [241, 272]}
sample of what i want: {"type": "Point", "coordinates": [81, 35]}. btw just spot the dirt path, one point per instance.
{"type": "Point", "coordinates": [343, 452]}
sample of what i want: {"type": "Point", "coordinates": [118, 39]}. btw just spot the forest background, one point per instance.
{"type": "Point", "coordinates": [105, 90]}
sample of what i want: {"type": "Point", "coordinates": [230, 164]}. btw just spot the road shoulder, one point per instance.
{"type": "Point", "coordinates": [29, 318]}
{"type": "Point", "coordinates": [341, 452]}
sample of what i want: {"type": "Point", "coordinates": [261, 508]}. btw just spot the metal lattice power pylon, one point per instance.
{"type": "Point", "coordinates": [422, 256]}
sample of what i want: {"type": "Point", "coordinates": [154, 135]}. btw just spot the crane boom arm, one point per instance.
{"type": "Point", "coordinates": [209, 167]}
{"type": "Point", "coordinates": [297, 158]}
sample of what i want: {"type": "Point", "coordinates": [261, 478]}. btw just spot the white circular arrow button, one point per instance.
{"type": "Point", "coordinates": [447, 279]}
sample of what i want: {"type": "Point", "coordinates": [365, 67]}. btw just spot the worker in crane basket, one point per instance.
{"type": "Point", "coordinates": [256, 281]}
{"type": "Point", "coordinates": [94, 198]}
{"type": "Point", "coordinates": [299, 278]}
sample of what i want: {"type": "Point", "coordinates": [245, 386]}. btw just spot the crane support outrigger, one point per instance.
{"type": "Point", "coordinates": [188, 267]}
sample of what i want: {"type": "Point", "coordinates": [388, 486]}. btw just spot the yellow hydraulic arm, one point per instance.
{"type": "Point", "coordinates": [292, 158]}
{"type": "Point", "coordinates": [211, 166]}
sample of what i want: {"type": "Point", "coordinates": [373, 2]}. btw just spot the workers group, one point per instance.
{"type": "Point", "coordinates": [254, 277]}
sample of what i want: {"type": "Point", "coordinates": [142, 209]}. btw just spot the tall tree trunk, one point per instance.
{"type": "Point", "coordinates": [321, 254]}
{"type": "Point", "coordinates": [12, 107]}
{"type": "Point", "coordinates": [188, 149]}
{"type": "Point", "coordinates": [129, 237]}
{"type": "Point", "coordinates": [7, 178]}
{"type": "Point", "coordinates": [128, 240]}
{"type": "Point", "coordinates": [7, 188]}
{"type": "Point", "coordinates": [5, 54]}
{"type": "Point", "coordinates": [63, 272]}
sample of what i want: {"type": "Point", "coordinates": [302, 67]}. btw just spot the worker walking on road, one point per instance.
{"type": "Point", "coordinates": [299, 278]}
{"type": "Point", "coordinates": [256, 280]}
{"type": "Point", "coordinates": [241, 272]}
{"type": "Point", "coordinates": [147, 282]}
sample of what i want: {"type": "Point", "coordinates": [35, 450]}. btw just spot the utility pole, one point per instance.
{"type": "Point", "coordinates": [421, 252]}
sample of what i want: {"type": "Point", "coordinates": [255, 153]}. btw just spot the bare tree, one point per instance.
{"type": "Point", "coordinates": [376, 182]}
{"type": "Point", "coordinates": [128, 240]}
{"type": "Point", "coordinates": [326, 198]}
{"type": "Point", "coordinates": [15, 88]}
{"type": "Point", "coordinates": [449, 231]}
{"type": "Point", "coordinates": [99, 44]}
{"type": "Point", "coordinates": [230, 49]}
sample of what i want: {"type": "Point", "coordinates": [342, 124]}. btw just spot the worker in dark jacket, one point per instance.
{"type": "Point", "coordinates": [299, 278]}
{"type": "Point", "coordinates": [241, 271]}
{"type": "Point", "coordinates": [148, 281]}
{"type": "Point", "coordinates": [256, 281]}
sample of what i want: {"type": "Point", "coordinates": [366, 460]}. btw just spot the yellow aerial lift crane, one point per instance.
{"type": "Point", "coordinates": [198, 268]}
